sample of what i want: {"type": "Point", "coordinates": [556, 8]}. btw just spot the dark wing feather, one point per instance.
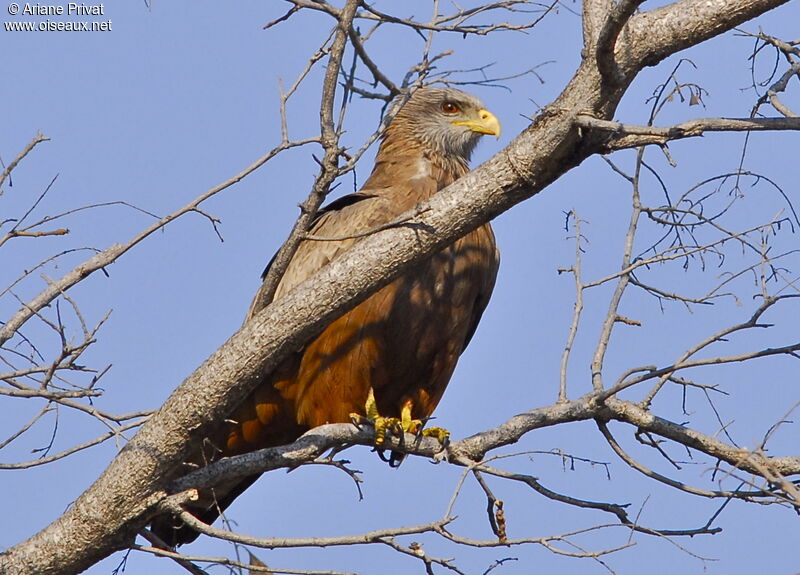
{"type": "Point", "coordinates": [316, 228]}
{"type": "Point", "coordinates": [483, 297]}
{"type": "Point", "coordinates": [334, 206]}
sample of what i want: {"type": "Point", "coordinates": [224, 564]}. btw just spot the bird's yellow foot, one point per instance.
{"type": "Point", "coordinates": [404, 424]}
{"type": "Point", "coordinates": [416, 426]}
{"type": "Point", "coordinates": [379, 423]}
{"type": "Point", "coordinates": [440, 433]}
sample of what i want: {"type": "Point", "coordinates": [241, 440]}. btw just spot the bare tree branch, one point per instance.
{"type": "Point", "coordinates": [114, 252]}
{"type": "Point", "coordinates": [10, 168]}
{"type": "Point", "coordinates": [623, 136]}
{"type": "Point", "coordinates": [329, 166]}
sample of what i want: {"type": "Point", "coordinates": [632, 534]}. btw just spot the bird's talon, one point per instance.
{"type": "Point", "coordinates": [439, 433]}
{"type": "Point", "coordinates": [384, 424]}
{"type": "Point", "coordinates": [397, 426]}
{"type": "Point", "coordinates": [413, 426]}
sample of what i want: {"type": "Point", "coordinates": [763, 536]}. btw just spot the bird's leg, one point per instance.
{"type": "Point", "coordinates": [404, 424]}
{"type": "Point", "coordinates": [380, 423]}
{"type": "Point", "coordinates": [416, 426]}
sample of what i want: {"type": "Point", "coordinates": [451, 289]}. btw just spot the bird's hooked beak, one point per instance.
{"type": "Point", "coordinates": [487, 123]}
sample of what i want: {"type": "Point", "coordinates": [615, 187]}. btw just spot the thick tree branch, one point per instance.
{"type": "Point", "coordinates": [654, 35]}
{"type": "Point", "coordinates": [616, 19]}
{"type": "Point", "coordinates": [594, 16]}
{"type": "Point", "coordinates": [231, 372]}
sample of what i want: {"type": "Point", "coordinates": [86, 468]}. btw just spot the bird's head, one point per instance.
{"type": "Point", "coordinates": [446, 121]}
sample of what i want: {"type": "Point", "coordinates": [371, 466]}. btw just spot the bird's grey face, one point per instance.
{"type": "Point", "coordinates": [449, 121]}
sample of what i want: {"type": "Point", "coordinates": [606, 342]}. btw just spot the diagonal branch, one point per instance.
{"type": "Point", "coordinates": [114, 252]}
{"type": "Point", "coordinates": [281, 542]}
{"type": "Point", "coordinates": [741, 458]}
{"type": "Point", "coordinates": [653, 36]}
{"type": "Point", "coordinates": [38, 139]}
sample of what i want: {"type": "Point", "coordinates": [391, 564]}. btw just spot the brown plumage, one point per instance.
{"type": "Point", "coordinates": [403, 341]}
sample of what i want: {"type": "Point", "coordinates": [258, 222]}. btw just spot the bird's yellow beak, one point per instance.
{"type": "Point", "coordinates": [487, 123]}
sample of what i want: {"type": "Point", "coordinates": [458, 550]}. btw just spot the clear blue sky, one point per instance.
{"type": "Point", "coordinates": [174, 100]}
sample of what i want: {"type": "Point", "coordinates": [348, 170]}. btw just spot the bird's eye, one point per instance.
{"type": "Point", "coordinates": [449, 108]}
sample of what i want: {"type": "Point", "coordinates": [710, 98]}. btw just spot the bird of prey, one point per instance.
{"type": "Point", "coordinates": [393, 354]}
